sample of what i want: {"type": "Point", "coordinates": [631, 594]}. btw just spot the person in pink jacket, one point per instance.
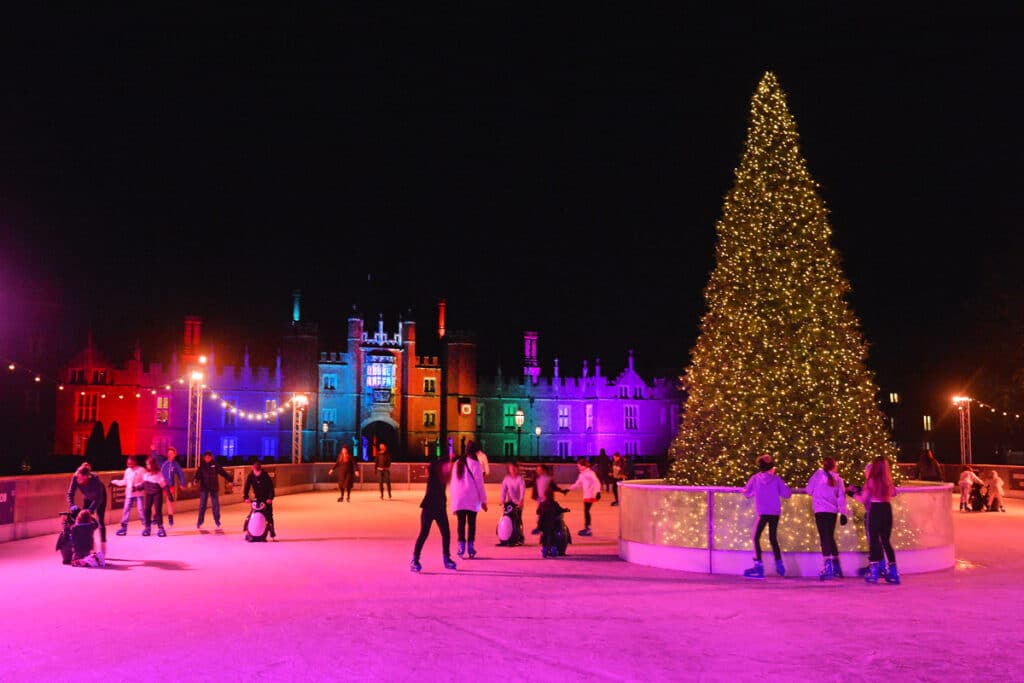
{"type": "Point", "coordinates": [468, 496]}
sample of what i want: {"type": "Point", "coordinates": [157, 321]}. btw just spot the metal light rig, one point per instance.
{"type": "Point", "coordinates": [193, 448]}
{"type": "Point", "coordinates": [963, 406]}
{"type": "Point", "coordinates": [299, 404]}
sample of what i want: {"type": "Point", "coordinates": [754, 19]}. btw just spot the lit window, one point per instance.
{"type": "Point", "coordinates": [479, 415]}
{"type": "Point", "coordinates": [894, 398]}
{"type": "Point", "coordinates": [927, 423]}
{"type": "Point", "coordinates": [229, 446]}
{"type": "Point", "coordinates": [623, 392]}
{"type": "Point", "coordinates": [329, 415]}
{"type": "Point", "coordinates": [268, 446]}
{"type": "Point", "coordinates": [160, 444]}
{"type": "Point", "coordinates": [563, 417]}
{"type": "Point", "coordinates": [163, 409]}
{"type": "Point", "coordinates": [508, 415]}
{"type": "Point", "coordinates": [99, 376]}
{"type": "Point", "coordinates": [78, 447]}
{"type": "Point", "coordinates": [589, 412]}
{"type": "Point", "coordinates": [87, 407]}
{"type": "Point", "coordinates": [429, 385]}
{"type": "Point", "coordinates": [270, 408]}
{"type": "Point", "coordinates": [429, 418]}
{"type": "Point", "coordinates": [330, 382]}
{"type": "Point", "coordinates": [229, 415]}
{"type": "Point", "coordinates": [380, 372]}
{"type": "Point", "coordinates": [631, 417]}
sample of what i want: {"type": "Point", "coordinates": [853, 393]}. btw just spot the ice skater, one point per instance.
{"type": "Point", "coordinates": [994, 491]}
{"type": "Point", "coordinates": [154, 484]}
{"type": "Point", "coordinates": [346, 467]}
{"type": "Point", "coordinates": [828, 500]}
{"type": "Point", "coordinates": [434, 510]}
{"type": "Point", "coordinates": [94, 498]}
{"type": "Point", "coordinates": [767, 489]}
{"type": "Point", "coordinates": [262, 488]}
{"type": "Point", "coordinates": [553, 536]}
{"type": "Point", "coordinates": [513, 490]}
{"type": "Point", "coordinates": [133, 493]}
{"type": "Point", "coordinates": [83, 542]}
{"type": "Point", "coordinates": [545, 475]}
{"type": "Point", "coordinates": [382, 460]}
{"type": "Point", "coordinates": [206, 476]}
{"type": "Point", "coordinates": [967, 480]}
{"type": "Point", "coordinates": [591, 485]}
{"type": "Point", "coordinates": [876, 495]}
{"type": "Point", "coordinates": [468, 497]}
{"type": "Point", "coordinates": [173, 475]}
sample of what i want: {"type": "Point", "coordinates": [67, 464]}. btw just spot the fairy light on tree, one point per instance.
{"type": "Point", "coordinates": [780, 363]}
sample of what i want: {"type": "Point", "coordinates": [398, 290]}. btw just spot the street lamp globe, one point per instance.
{"type": "Point", "coordinates": [520, 419]}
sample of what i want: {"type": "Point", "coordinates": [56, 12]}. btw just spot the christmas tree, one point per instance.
{"type": "Point", "coordinates": [779, 365]}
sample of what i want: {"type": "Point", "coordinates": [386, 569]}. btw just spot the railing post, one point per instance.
{"type": "Point", "coordinates": [711, 528]}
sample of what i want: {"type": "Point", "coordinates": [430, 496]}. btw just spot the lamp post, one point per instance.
{"type": "Point", "coordinates": [299, 404]}
{"type": "Point", "coordinates": [520, 419]}
{"type": "Point", "coordinates": [323, 441]}
{"type": "Point", "coordinates": [963, 406]}
{"type": "Point", "coordinates": [194, 437]}
{"type": "Point", "coordinates": [536, 446]}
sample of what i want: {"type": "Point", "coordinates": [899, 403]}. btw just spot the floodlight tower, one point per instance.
{"type": "Point", "coordinates": [963, 406]}
{"type": "Point", "coordinates": [299, 404]}
{"type": "Point", "coordinates": [194, 445]}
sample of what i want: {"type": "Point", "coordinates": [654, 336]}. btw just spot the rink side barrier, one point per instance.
{"type": "Point", "coordinates": [707, 529]}
{"type": "Point", "coordinates": [30, 505]}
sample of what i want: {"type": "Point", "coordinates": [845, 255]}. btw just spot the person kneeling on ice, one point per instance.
{"type": "Point", "coordinates": [554, 536]}
{"type": "Point", "coordinates": [262, 487]}
{"type": "Point", "coordinates": [83, 542]}
{"type": "Point", "coordinates": [767, 489]}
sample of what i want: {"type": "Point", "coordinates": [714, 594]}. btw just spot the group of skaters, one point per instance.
{"type": "Point", "coordinates": [987, 494]}
{"type": "Point", "coordinates": [828, 498]}
{"type": "Point", "coordinates": [462, 477]}
{"type": "Point", "coordinates": [345, 466]}
{"type": "Point", "coordinates": [147, 487]}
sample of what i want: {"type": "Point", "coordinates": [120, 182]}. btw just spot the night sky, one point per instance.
{"type": "Point", "coordinates": [557, 172]}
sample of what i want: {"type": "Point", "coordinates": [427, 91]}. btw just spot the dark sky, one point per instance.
{"type": "Point", "coordinates": [560, 172]}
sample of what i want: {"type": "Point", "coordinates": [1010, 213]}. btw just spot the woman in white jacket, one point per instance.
{"type": "Point", "coordinates": [591, 485]}
{"type": "Point", "coordinates": [468, 496]}
{"type": "Point", "coordinates": [828, 498]}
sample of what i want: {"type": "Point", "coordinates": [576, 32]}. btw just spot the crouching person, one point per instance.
{"type": "Point", "coordinates": [262, 488]}
{"type": "Point", "coordinates": [83, 542]}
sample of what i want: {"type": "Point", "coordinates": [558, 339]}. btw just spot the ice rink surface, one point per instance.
{"type": "Point", "coordinates": [334, 599]}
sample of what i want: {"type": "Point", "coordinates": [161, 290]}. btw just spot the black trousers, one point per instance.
{"type": "Point", "coordinates": [826, 523]}
{"type": "Point", "coordinates": [465, 516]}
{"type": "Point", "coordinates": [440, 517]}
{"type": "Point", "coordinates": [384, 476]}
{"type": "Point", "coordinates": [879, 529]}
{"type": "Point", "coordinates": [586, 513]}
{"type": "Point", "coordinates": [154, 501]}
{"type": "Point", "coordinates": [101, 516]}
{"type": "Point", "coordinates": [772, 522]}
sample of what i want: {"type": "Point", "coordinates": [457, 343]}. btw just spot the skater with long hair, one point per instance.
{"type": "Point", "coordinates": [468, 497]}
{"type": "Point", "coordinates": [767, 489]}
{"type": "Point", "coordinates": [154, 484]}
{"type": "Point", "coordinates": [433, 511]}
{"type": "Point", "coordinates": [877, 493]}
{"type": "Point", "coordinates": [828, 500]}
{"type": "Point", "coordinates": [346, 467]}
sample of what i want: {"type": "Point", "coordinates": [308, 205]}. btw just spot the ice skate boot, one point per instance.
{"type": "Point", "coordinates": [472, 550]}
{"type": "Point", "coordinates": [160, 532]}
{"type": "Point", "coordinates": [170, 520]}
{"type": "Point", "coordinates": [780, 568]}
{"type": "Point", "coordinates": [585, 532]}
{"type": "Point", "coordinates": [146, 531]}
{"type": "Point", "coordinates": [461, 552]}
{"type": "Point", "coordinates": [872, 575]}
{"type": "Point", "coordinates": [755, 572]}
{"type": "Point", "coordinates": [449, 563]}
{"type": "Point", "coordinates": [415, 565]}
{"type": "Point", "coordinates": [123, 531]}
{"type": "Point", "coordinates": [837, 569]}
{"type": "Point", "coordinates": [826, 572]}
{"type": "Point", "coordinates": [892, 575]}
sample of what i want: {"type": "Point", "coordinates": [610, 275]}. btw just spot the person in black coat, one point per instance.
{"type": "Point", "coordinates": [346, 467]}
{"type": "Point", "coordinates": [262, 487]}
{"type": "Point", "coordinates": [209, 488]}
{"type": "Point", "coordinates": [94, 497]}
{"type": "Point", "coordinates": [434, 508]}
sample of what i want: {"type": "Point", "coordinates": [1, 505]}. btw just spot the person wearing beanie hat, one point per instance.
{"type": "Point", "coordinates": [767, 489]}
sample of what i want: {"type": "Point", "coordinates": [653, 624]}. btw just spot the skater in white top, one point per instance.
{"type": "Point", "coordinates": [828, 500]}
{"type": "Point", "coordinates": [591, 485]}
{"type": "Point", "coordinates": [967, 479]}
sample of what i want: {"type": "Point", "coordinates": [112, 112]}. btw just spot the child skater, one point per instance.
{"type": "Point", "coordinates": [83, 542]}
{"type": "Point", "coordinates": [154, 484]}
{"type": "Point", "coordinates": [967, 479]}
{"type": "Point", "coordinates": [828, 499]}
{"type": "Point", "coordinates": [549, 514]}
{"type": "Point", "coordinates": [876, 495]}
{"type": "Point", "coordinates": [994, 489]}
{"type": "Point", "coordinates": [767, 489]}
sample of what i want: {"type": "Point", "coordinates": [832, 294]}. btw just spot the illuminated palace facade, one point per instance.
{"type": "Point", "coordinates": [377, 389]}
